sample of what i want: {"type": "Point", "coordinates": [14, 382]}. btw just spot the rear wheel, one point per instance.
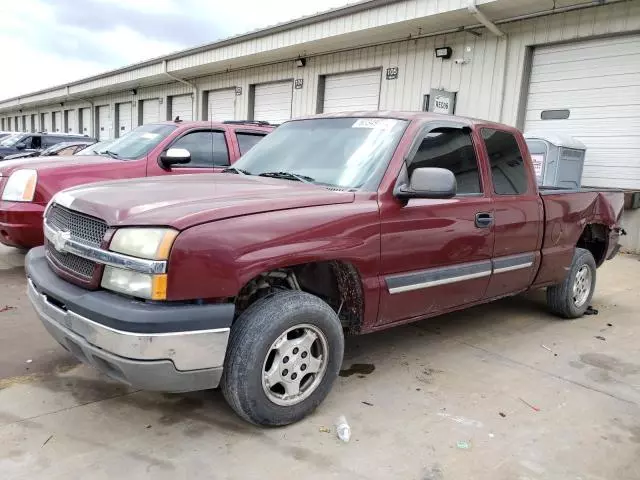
{"type": "Point", "coordinates": [571, 298]}
{"type": "Point", "coordinates": [284, 354]}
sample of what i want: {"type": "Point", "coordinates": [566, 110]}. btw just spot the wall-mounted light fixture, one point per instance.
{"type": "Point", "coordinates": [301, 62]}
{"type": "Point", "coordinates": [134, 92]}
{"type": "Point", "coordinates": [444, 52]}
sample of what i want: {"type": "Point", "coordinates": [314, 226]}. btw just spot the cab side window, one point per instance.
{"type": "Point", "coordinates": [507, 165]}
{"type": "Point", "coordinates": [207, 149]}
{"type": "Point", "coordinates": [452, 149]}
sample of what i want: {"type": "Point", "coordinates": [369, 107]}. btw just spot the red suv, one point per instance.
{"type": "Point", "coordinates": [168, 148]}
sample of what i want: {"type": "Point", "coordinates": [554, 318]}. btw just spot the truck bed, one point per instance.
{"type": "Point", "coordinates": [566, 214]}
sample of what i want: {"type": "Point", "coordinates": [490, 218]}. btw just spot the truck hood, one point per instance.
{"type": "Point", "coordinates": [42, 164]}
{"type": "Point", "coordinates": [183, 201]}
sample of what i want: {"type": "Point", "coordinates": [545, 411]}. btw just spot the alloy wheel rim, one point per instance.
{"type": "Point", "coordinates": [295, 365]}
{"type": "Point", "coordinates": [582, 286]}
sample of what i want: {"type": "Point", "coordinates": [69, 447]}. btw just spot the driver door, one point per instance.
{"type": "Point", "coordinates": [436, 253]}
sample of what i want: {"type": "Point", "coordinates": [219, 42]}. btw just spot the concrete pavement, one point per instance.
{"type": "Point", "coordinates": [475, 395]}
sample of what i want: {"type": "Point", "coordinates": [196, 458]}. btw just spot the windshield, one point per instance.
{"type": "Point", "coordinates": [12, 139]}
{"type": "Point", "coordinates": [96, 148]}
{"type": "Point", "coordinates": [138, 142]}
{"type": "Point", "coordinates": [344, 152]}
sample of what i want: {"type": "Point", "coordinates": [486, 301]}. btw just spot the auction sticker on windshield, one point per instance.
{"type": "Point", "coordinates": [377, 123]}
{"type": "Point", "coordinates": [150, 136]}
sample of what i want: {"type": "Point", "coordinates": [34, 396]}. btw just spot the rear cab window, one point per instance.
{"type": "Point", "coordinates": [451, 149]}
{"type": "Point", "coordinates": [508, 171]}
{"type": "Point", "coordinates": [248, 140]}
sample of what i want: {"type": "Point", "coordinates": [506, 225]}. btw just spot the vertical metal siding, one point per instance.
{"type": "Point", "coordinates": [489, 83]}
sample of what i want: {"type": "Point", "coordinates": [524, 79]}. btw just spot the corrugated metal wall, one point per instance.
{"type": "Point", "coordinates": [489, 84]}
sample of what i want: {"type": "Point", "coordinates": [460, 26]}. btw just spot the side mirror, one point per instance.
{"type": "Point", "coordinates": [20, 146]}
{"type": "Point", "coordinates": [175, 156]}
{"type": "Point", "coordinates": [429, 183]}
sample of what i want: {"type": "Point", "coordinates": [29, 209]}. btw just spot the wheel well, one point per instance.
{"type": "Point", "coordinates": [336, 282]}
{"type": "Point", "coordinates": [594, 238]}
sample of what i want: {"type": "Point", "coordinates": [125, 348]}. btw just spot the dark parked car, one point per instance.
{"type": "Point", "coordinates": [25, 142]}
{"type": "Point", "coordinates": [62, 149]}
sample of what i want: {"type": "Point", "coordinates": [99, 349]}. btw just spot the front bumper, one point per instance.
{"type": "Point", "coordinates": [149, 346]}
{"type": "Point", "coordinates": [21, 224]}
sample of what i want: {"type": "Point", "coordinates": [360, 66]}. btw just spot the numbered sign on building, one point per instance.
{"type": "Point", "coordinates": [441, 101]}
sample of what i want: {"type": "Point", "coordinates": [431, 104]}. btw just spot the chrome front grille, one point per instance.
{"type": "Point", "coordinates": [77, 265]}
{"type": "Point", "coordinates": [82, 227]}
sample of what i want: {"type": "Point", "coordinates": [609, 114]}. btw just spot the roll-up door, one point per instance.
{"type": "Point", "coordinates": [352, 91]}
{"type": "Point", "coordinates": [57, 122]}
{"type": "Point", "coordinates": [150, 111]}
{"type": "Point", "coordinates": [85, 121]}
{"type": "Point", "coordinates": [46, 122]}
{"type": "Point", "coordinates": [272, 101]}
{"type": "Point", "coordinates": [71, 124]}
{"type": "Point", "coordinates": [124, 118]}
{"type": "Point", "coordinates": [182, 106]}
{"type": "Point", "coordinates": [591, 91]}
{"type": "Point", "coordinates": [104, 122]}
{"type": "Point", "coordinates": [221, 105]}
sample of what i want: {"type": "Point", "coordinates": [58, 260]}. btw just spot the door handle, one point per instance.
{"type": "Point", "coordinates": [484, 220]}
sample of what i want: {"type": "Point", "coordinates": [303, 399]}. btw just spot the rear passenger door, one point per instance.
{"type": "Point", "coordinates": [208, 149]}
{"type": "Point", "coordinates": [518, 214]}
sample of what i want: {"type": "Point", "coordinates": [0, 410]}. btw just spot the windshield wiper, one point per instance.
{"type": "Point", "coordinates": [111, 154]}
{"type": "Point", "coordinates": [237, 171]}
{"type": "Point", "coordinates": [288, 176]}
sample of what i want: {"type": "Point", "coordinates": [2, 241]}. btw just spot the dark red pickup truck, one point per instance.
{"type": "Point", "coordinates": [26, 186]}
{"type": "Point", "coordinates": [332, 225]}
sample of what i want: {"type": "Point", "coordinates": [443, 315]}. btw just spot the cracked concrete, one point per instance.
{"type": "Point", "coordinates": [503, 391]}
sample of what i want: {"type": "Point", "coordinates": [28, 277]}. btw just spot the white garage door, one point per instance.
{"type": "Point", "coordinates": [46, 122]}
{"type": "Point", "coordinates": [85, 121]}
{"type": "Point", "coordinates": [272, 102]}
{"type": "Point", "coordinates": [352, 91]}
{"type": "Point", "coordinates": [104, 122]}
{"type": "Point", "coordinates": [150, 111]}
{"type": "Point", "coordinates": [124, 118]}
{"type": "Point", "coordinates": [591, 91]}
{"type": "Point", "coordinates": [71, 121]}
{"type": "Point", "coordinates": [221, 105]}
{"type": "Point", "coordinates": [57, 122]}
{"type": "Point", "coordinates": [182, 106]}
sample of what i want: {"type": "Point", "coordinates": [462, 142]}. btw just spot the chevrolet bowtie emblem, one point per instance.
{"type": "Point", "coordinates": [60, 239]}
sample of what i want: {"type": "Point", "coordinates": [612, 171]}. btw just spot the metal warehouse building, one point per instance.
{"type": "Point", "coordinates": [567, 66]}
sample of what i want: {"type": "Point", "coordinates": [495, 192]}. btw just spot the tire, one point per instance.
{"type": "Point", "coordinates": [251, 346]}
{"type": "Point", "coordinates": [561, 298]}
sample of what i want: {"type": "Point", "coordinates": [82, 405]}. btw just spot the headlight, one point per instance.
{"type": "Point", "coordinates": [152, 287]}
{"type": "Point", "coordinates": [148, 243]}
{"type": "Point", "coordinates": [21, 186]}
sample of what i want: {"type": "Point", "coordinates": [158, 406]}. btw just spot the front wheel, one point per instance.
{"type": "Point", "coordinates": [571, 298]}
{"type": "Point", "coordinates": [284, 353]}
